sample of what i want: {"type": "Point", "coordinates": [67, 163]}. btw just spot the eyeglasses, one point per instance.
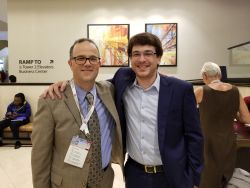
{"type": "Point", "coordinates": [146, 54]}
{"type": "Point", "coordinates": [81, 60]}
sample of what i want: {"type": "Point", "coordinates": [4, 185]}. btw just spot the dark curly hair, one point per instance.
{"type": "Point", "coordinates": [145, 39]}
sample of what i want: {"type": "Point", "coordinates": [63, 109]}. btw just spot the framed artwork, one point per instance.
{"type": "Point", "coordinates": [240, 54]}
{"type": "Point", "coordinates": [167, 33]}
{"type": "Point", "coordinates": [112, 41]}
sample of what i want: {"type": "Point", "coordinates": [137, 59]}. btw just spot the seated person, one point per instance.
{"type": "Point", "coordinates": [18, 114]}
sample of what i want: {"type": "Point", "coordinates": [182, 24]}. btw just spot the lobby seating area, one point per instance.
{"type": "Point", "coordinates": [24, 134]}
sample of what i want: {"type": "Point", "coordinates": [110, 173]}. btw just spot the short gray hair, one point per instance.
{"type": "Point", "coordinates": [211, 69]}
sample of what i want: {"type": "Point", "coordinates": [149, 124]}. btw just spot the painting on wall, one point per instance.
{"type": "Point", "coordinates": [167, 33]}
{"type": "Point", "coordinates": [240, 54]}
{"type": "Point", "coordinates": [112, 41]}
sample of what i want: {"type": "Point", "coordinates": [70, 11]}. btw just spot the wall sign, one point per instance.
{"type": "Point", "coordinates": [34, 66]}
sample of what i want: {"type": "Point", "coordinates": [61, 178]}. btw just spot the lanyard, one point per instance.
{"type": "Point", "coordinates": [84, 127]}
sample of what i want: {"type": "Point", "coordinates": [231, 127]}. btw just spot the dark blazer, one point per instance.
{"type": "Point", "coordinates": [179, 133]}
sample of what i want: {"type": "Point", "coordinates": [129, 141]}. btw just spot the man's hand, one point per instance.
{"type": "Point", "coordinates": [14, 115]}
{"type": "Point", "coordinates": [11, 115]}
{"type": "Point", "coordinates": [8, 115]}
{"type": "Point", "coordinates": [55, 90]}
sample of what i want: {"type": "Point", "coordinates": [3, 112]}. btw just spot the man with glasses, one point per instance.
{"type": "Point", "coordinates": [73, 138]}
{"type": "Point", "coordinates": [159, 120]}
{"type": "Point", "coordinates": [163, 136]}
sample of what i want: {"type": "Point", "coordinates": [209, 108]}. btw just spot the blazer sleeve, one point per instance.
{"type": "Point", "coordinates": [42, 145]}
{"type": "Point", "coordinates": [193, 136]}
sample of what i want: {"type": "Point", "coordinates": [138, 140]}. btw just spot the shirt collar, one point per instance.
{"type": "Point", "coordinates": [82, 93]}
{"type": "Point", "coordinates": [155, 85]}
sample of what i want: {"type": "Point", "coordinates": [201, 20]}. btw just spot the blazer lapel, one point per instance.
{"type": "Point", "coordinates": [71, 104]}
{"type": "Point", "coordinates": [106, 99]}
{"type": "Point", "coordinates": [126, 78]}
{"type": "Point", "coordinates": [165, 96]}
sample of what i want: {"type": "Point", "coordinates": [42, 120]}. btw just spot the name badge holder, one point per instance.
{"type": "Point", "coordinates": [79, 147]}
{"type": "Point", "coordinates": [77, 152]}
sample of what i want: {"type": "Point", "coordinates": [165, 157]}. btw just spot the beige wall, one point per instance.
{"type": "Point", "coordinates": [206, 28]}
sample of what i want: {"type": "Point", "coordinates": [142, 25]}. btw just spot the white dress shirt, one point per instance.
{"type": "Point", "coordinates": [141, 111]}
